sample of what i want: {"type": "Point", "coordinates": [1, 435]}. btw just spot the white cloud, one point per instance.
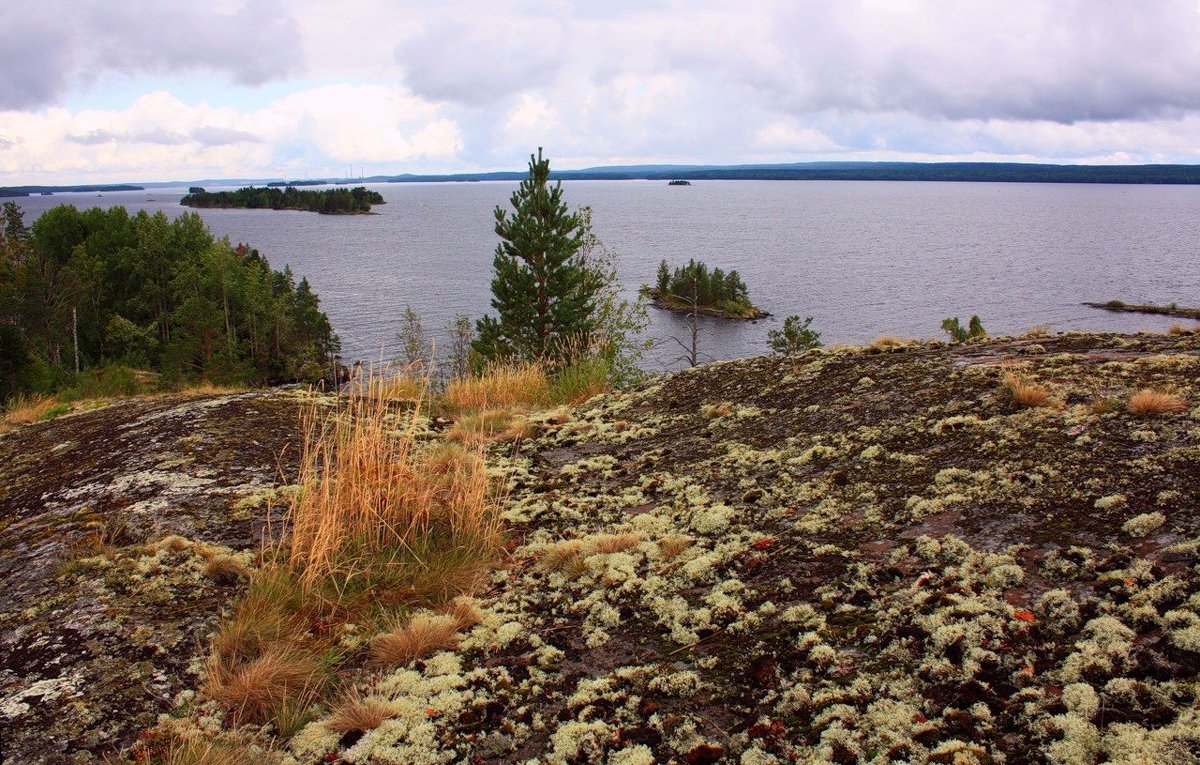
{"type": "Point", "coordinates": [407, 86]}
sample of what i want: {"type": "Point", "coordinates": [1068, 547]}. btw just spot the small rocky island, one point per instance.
{"type": "Point", "coordinates": [339, 201]}
{"type": "Point", "coordinates": [695, 288]}
{"type": "Point", "coordinates": [678, 182]}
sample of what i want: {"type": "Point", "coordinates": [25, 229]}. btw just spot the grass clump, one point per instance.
{"type": "Point", "coordinates": [1148, 402]}
{"type": "Point", "coordinates": [500, 386]}
{"type": "Point", "coordinates": [385, 525]}
{"type": "Point", "coordinates": [356, 712]}
{"type": "Point", "coordinates": [973, 331]}
{"type": "Point", "coordinates": [1024, 393]}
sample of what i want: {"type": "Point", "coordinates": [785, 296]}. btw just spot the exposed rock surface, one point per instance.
{"type": "Point", "coordinates": [108, 520]}
{"type": "Point", "coordinates": [856, 557]}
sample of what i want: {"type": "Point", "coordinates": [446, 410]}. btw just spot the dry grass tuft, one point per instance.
{"type": "Point", "coordinates": [465, 613]}
{"type": "Point", "coordinates": [1148, 402]}
{"type": "Point", "coordinates": [501, 386]}
{"type": "Point", "coordinates": [489, 426]}
{"type": "Point", "coordinates": [614, 543]}
{"type": "Point", "coordinates": [713, 411]}
{"type": "Point", "coordinates": [1024, 393]}
{"type": "Point", "coordinates": [225, 569]}
{"type": "Point", "coordinates": [1177, 329]}
{"type": "Point", "coordinates": [356, 712]}
{"type": "Point", "coordinates": [674, 545]}
{"type": "Point", "coordinates": [1039, 330]}
{"type": "Point", "coordinates": [560, 555]}
{"type": "Point", "coordinates": [255, 691]}
{"type": "Point", "coordinates": [887, 342]}
{"type": "Point", "coordinates": [424, 634]}
{"type": "Point", "coordinates": [188, 751]}
{"type": "Point", "coordinates": [370, 489]}
{"type": "Point", "coordinates": [24, 410]}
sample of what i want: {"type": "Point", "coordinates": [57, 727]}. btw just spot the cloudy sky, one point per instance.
{"type": "Point", "coordinates": [146, 90]}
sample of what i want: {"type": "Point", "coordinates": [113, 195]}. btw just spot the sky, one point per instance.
{"type": "Point", "coordinates": [97, 91]}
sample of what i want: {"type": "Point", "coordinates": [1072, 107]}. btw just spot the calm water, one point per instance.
{"type": "Point", "coordinates": [863, 258]}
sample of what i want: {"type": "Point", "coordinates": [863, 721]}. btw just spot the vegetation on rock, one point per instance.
{"type": "Point", "coordinates": [339, 201]}
{"type": "Point", "coordinates": [695, 287]}
{"type": "Point", "coordinates": [105, 291]}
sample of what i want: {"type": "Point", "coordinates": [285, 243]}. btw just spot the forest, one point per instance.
{"type": "Point", "coordinates": [82, 291]}
{"type": "Point", "coordinates": [339, 201]}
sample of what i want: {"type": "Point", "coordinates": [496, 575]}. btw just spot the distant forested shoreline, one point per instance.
{"type": "Point", "coordinates": [106, 291]}
{"type": "Point", "coordinates": [339, 201]}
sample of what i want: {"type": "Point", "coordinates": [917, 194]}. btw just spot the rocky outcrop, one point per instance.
{"type": "Point", "coordinates": [109, 522]}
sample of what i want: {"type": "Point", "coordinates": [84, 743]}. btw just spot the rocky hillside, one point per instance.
{"type": "Point", "coordinates": [110, 523]}
{"type": "Point", "coordinates": [863, 555]}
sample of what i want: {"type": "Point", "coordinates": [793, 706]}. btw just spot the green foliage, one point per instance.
{"type": "Point", "coordinates": [153, 293]}
{"type": "Point", "coordinates": [329, 201]}
{"type": "Point", "coordinates": [414, 346]}
{"type": "Point", "coordinates": [461, 357]}
{"type": "Point", "coordinates": [619, 322]}
{"type": "Point", "coordinates": [795, 337]}
{"type": "Point", "coordinates": [954, 329]}
{"type": "Point", "coordinates": [696, 284]}
{"type": "Point", "coordinates": [543, 296]}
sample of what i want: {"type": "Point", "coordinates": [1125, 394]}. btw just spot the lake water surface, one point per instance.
{"type": "Point", "coordinates": [863, 258]}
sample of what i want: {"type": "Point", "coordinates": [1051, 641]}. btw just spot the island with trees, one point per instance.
{"type": "Point", "coordinates": [339, 201]}
{"type": "Point", "coordinates": [695, 288]}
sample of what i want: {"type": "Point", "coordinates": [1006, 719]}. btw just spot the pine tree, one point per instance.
{"type": "Point", "coordinates": [541, 291]}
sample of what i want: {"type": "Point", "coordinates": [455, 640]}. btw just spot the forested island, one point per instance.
{"type": "Point", "coordinates": [106, 293]}
{"type": "Point", "coordinates": [339, 201]}
{"type": "Point", "coordinates": [695, 288]}
{"type": "Point", "coordinates": [24, 191]}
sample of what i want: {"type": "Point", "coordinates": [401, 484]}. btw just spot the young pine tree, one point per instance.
{"type": "Point", "coordinates": [543, 296]}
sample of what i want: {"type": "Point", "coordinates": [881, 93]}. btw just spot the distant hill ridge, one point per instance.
{"type": "Point", "coordinates": [989, 172]}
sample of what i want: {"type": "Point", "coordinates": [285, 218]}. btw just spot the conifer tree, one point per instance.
{"type": "Point", "coordinates": [541, 291]}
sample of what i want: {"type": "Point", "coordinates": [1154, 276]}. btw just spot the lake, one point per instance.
{"type": "Point", "coordinates": [863, 258]}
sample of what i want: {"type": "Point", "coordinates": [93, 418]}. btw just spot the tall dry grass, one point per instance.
{"type": "Point", "coordinates": [387, 522]}
{"type": "Point", "coordinates": [370, 488]}
{"type": "Point", "coordinates": [501, 386]}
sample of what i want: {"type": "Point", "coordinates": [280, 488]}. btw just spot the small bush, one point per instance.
{"type": "Point", "coordinates": [1147, 402]}
{"type": "Point", "coordinates": [954, 329]}
{"type": "Point", "coordinates": [794, 337]}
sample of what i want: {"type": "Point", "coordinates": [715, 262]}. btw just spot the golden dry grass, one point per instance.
{"type": "Point", "coordinates": [423, 635]}
{"type": "Point", "coordinates": [23, 410]}
{"type": "Point", "coordinates": [1024, 393]}
{"type": "Point", "coordinates": [189, 751]}
{"type": "Point", "coordinates": [674, 545]}
{"type": "Point", "coordinates": [501, 386]}
{"type": "Point", "coordinates": [369, 488]}
{"type": "Point", "coordinates": [1039, 330]}
{"type": "Point", "coordinates": [356, 712]}
{"type": "Point", "coordinates": [464, 612]}
{"type": "Point", "coordinates": [490, 426]}
{"type": "Point", "coordinates": [614, 543]}
{"type": "Point", "coordinates": [224, 569]}
{"type": "Point", "coordinates": [887, 342]}
{"type": "Point", "coordinates": [1177, 329]}
{"type": "Point", "coordinates": [1148, 402]}
{"type": "Point", "coordinates": [255, 690]}
{"type": "Point", "coordinates": [560, 555]}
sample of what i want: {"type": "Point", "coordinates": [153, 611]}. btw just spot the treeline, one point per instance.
{"type": "Point", "coordinates": [147, 292]}
{"type": "Point", "coordinates": [339, 201]}
{"type": "Point", "coordinates": [707, 288]}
